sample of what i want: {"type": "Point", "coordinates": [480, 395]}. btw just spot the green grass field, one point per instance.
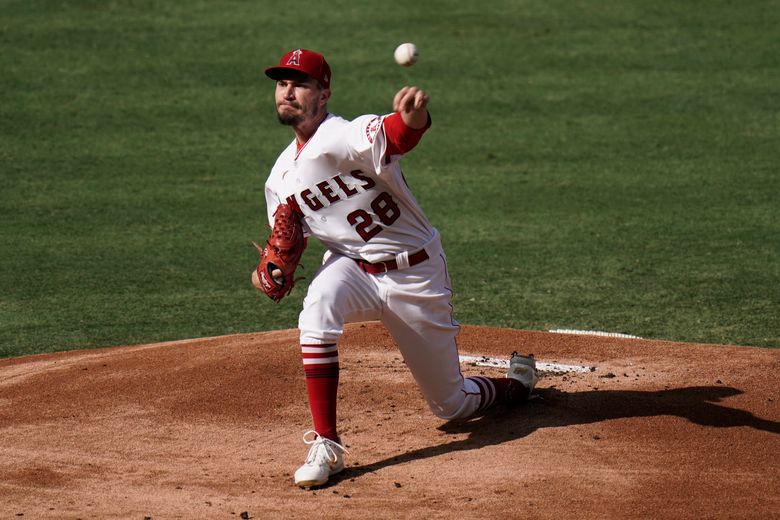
{"type": "Point", "coordinates": [608, 165]}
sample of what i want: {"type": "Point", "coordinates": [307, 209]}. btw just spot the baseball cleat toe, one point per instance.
{"type": "Point", "coordinates": [523, 370]}
{"type": "Point", "coordinates": [325, 458]}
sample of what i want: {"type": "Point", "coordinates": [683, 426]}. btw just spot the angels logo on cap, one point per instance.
{"type": "Point", "coordinates": [308, 62]}
{"type": "Point", "coordinates": [295, 58]}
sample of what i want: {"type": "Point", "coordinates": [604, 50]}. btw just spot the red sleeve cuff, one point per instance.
{"type": "Point", "coordinates": [401, 138]}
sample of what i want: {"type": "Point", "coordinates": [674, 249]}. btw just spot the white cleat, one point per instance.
{"type": "Point", "coordinates": [325, 458]}
{"type": "Point", "coordinates": [523, 370]}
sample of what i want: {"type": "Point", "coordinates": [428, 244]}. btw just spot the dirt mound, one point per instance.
{"type": "Point", "coordinates": [211, 428]}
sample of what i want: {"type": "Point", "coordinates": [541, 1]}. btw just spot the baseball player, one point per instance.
{"type": "Point", "coordinates": [342, 183]}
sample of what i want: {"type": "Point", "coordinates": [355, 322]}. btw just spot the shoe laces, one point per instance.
{"type": "Point", "coordinates": [320, 444]}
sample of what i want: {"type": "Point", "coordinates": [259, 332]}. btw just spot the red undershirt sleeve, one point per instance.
{"type": "Point", "coordinates": [401, 138]}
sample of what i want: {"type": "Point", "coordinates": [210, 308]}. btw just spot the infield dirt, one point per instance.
{"type": "Point", "coordinates": [211, 428]}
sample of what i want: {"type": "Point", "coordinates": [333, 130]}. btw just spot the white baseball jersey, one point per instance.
{"type": "Point", "coordinates": [353, 198]}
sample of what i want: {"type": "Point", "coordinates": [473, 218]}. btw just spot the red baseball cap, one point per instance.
{"type": "Point", "coordinates": [311, 63]}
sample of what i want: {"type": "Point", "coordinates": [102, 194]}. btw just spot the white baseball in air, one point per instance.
{"type": "Point", "coordinates": [406, 54]}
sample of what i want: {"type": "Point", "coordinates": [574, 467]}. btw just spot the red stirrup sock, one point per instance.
{"type": "Point", "coordinates": [509, 391]}
{"type": "Point", "coordinates": [321, 367]}
{"type": "Point", "coordinates": [494, 390]}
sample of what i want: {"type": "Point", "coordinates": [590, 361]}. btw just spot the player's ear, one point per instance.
{"type": "Point", "coordinates": [324, 96]}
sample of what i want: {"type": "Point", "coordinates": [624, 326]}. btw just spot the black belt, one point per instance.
{"type": "Point", "coordinates": [390, 265]}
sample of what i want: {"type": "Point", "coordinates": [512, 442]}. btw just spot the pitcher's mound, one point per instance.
{"type": "Point", "coordinates": [211, 428]}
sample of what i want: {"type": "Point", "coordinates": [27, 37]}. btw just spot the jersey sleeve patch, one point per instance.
{"type": "Point", "coordinates": [364, 142]}
{"type": "Point", "coordinates": [372, 128]}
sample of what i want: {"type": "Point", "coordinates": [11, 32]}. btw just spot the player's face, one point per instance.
{"type": "Point", "coordinates": [299, 100]}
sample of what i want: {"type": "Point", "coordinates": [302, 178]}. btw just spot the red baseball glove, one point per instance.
{"type": "Point", "coordinates": [275, 274]}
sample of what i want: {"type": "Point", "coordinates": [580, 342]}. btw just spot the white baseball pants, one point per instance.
{"type": "Point", "coordinates": [414, 304]}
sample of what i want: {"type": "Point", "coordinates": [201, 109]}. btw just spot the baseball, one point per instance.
{"type": "Point", "coordinates": [406, 54]}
